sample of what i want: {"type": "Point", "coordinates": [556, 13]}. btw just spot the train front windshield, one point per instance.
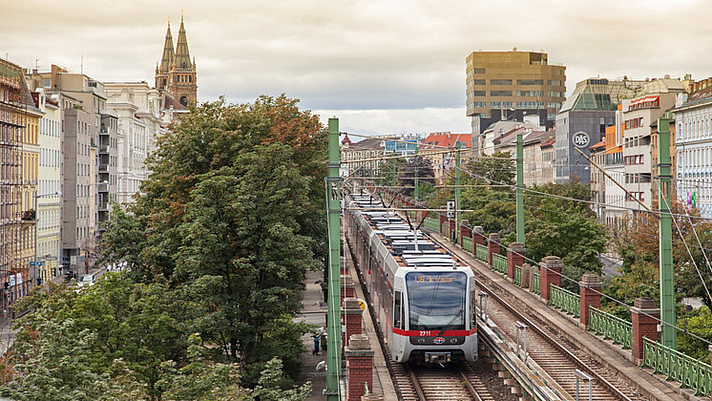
{"type": "Point", "coordinates": [436, 300]}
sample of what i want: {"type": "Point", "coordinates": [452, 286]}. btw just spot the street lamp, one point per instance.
{"type": "Point", "coordinates": [86, 251]}
{"type": "Point", "coordinates": [33, 275]}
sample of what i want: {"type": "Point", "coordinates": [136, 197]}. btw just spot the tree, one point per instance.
{"type": "Point", "coordinates": [556, 225]}
{"type": "Point", "coordinates": [255, 261]}
{"type": "Point", "coordinates": [498, 168]}
{"type": "Point", "coordinates": [69, 343]}
{"type": "Point", "coordinates": [228, 215]}
{"type": "Point", "coordinates": [423, 168]}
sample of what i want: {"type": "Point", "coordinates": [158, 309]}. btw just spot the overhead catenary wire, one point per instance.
{"type": "Point", "coordinates": [617, 301]}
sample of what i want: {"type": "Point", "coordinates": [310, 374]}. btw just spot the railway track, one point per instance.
{"type": "Point", "coordinates": [550, 350]}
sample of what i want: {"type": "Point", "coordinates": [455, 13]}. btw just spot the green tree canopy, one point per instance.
{"type": "Point", "coordinates": [230, 213]}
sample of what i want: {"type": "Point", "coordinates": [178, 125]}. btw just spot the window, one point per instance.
{"type": "Point", "coordinates": [530, 82]}
{"type": "Point", "coordinates": [480, 104]}
{"type": "Point", "coordinates": [479, 70]}
{"type": "Point", "coordinates": [500, 93]}
{"type": "Point", "coordinates": [530, 105]}
{"type": "Point", "coordinates": [554, 82]}
{"type": "Point", "coordinates": [479, 82]}
{"type": "Point", "coordinates": [500, 82]}
{"type": "Point", "coordinates": [529, 93]}
{"type": "Point", "coordinates": [479, 93]}
{"type": "Point", "coordinates": [398, 310]}
{"type": "Point", "coordinates": [555, 94]}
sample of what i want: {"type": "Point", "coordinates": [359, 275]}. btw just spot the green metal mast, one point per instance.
{"type": "Point", "coordinates": [520, 188]}
{"type": "Point", "coordinates": [394, 172]}
{"type": "Point", "coordinates": [667, 288]}
{"type": "Point", "coordinates": [457, 191]}
{"type": "Point", "coordinates": [333, 317]}
{"type": "Point", "coordinates": [415, 183]}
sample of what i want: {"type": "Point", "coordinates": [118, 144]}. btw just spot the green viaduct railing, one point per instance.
{"type": "Point", "coordinates": [610, 327]}
{"type": "Point", "coordinates": [499, 263]}
{"type": "Point", "coordinates": [481, 253]}
{"type": "Point", "coordinates": [467, 244]}
{"type": "Point", "coordinates": [565, 300]}
{"type": "Point", "coordinates": [536, 283]}
{"type": "Point", "coordinates": [518, 275]}
{"type": "Point", "coordinates": [689, 372]}
{"type": "Point", "coordinates": [431, 224]}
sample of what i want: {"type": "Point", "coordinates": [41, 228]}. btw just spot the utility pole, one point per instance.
{"type": "Point", "coordinates": [333, 317]}
{"type": "Point", "coordinates": [667, 288]}
{"type": "Point", "coordinates": [457, 191]}
{"type": "Point", "coordinates": [520, 189]}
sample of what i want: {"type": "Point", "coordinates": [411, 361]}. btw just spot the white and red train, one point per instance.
{"type": "Point", "coordinates": [423, 297]}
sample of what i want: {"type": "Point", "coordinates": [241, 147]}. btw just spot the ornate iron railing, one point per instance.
{"type": "Point", "coordinates": [499, 263]}
{"type": "Point", "coordinates": [467, 244]}
{"type": "Point", "coordinates": [481, 253]}
{"type": "Point", "coordinates": [431, 224]}
{"type": "Point", "coordinates": [565, 300]}
{"type": "Point", "coordinates": [610, 327]}
{"type": "Point", "coordinates": [518, 275]}
{"type": "Point", "coordinates": [689, 372]}
{"type": "Point", "coordinates": [536, 280]}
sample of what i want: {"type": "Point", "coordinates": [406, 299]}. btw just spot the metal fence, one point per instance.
{"type": "Point", "coordinates": [689, 372]}
{"type": "Point", "coordinates": [536, 280]}
{"type": "Point", "coordinates": [518, 275]}
{"type": "Point", "coordinates": [499, 263]}
{"type": "Point", "coordinates": [467, 244]}
{"type": "Point", "coordinates": [431, 224]}
{"type": "Point", "coordinates": [481, 253]}
{"type": "Point", "coordinates": [610, 327]}
{"type": "Point", "coordinates": [565, 300]}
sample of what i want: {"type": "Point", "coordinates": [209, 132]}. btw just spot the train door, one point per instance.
{"type": "Point", "coordinates": [397, 342]}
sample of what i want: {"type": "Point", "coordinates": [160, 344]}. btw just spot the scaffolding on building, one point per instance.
{"type": "Point", "coordinates": [13, 115]}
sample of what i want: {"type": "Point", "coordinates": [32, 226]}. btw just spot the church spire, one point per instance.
{"type": "Point", "coordinates": [182, 58]}
{"type": "Point", "coordinates": [168, 54]}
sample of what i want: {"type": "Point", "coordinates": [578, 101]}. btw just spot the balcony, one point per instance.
{"type": "Point", "coordinates": [103, 168]}
{"type": "Point", "coordinates": [103, 206]}
{"type": "Point", "coordinates": [103, 187]}
{"type": "Point", "coordinates": [104, 150]}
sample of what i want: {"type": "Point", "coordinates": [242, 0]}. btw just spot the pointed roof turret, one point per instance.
{"type": "Point", "coordinates": [182, 60]}
{"type": "Point", "coordinates": [168, 54]}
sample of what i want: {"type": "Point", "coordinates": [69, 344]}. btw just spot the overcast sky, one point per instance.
{"type": "Point", "coordinates": [381, 66]}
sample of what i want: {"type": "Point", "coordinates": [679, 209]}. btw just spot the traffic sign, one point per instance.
{"type": "Point", "coordinates": [32, 263]}
{"type": "Point", "coordinates": [362, 305]}
{"type": "Point", "coordinates": [581, 139]}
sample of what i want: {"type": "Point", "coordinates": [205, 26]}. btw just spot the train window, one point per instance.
{"type": "Point", "coordinates": [398, 310]}
{"type": "Point", "coordinates": [473, 315]}
{"type": "Point", "coordinates": [436, 300]}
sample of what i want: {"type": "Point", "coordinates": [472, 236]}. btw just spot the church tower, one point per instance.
{"type": "Point", "coordinates": [176, 76]}
{"type": "Point", "coordinates": [182, 77]}
{"type": "Point", "coordinates": [166, 61]}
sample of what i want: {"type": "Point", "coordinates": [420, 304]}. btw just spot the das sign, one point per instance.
{"type": "Point", "coordinates": [581, 139]}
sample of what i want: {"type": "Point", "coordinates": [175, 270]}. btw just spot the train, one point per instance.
{"type": "Point", "coordinates": [423, 298]}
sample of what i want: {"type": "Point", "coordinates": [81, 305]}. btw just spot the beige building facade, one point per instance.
{"type": "Point", "coordinates": [512, 80]}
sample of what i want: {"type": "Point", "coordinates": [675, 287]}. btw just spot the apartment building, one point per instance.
{"type": "Point", "coordinates": [138, 111]}
{"type": "Point", "coordinates": [639, 114]}
{"type": "Point", "coordinates": [49, 186]}
{"type": "Point", "coordinates": [693, 124]}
